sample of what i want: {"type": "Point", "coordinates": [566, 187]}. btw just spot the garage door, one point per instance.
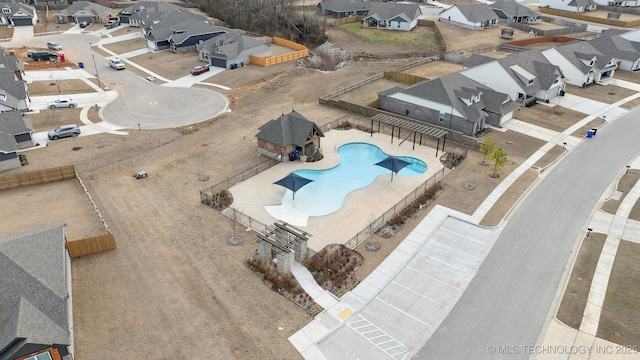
{"type": "Point", "coordinates": [22, 22]}
{"type": "Point", "coordinates": [80, 19]}
{"type": "Point", "coordinates": [219, 62]}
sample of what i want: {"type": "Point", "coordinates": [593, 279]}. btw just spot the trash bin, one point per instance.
{"type": "Point", "coordinates": [590, 134]}
{"type": "Point", "coordinates": [595, 130]}
{"type": "Point", "coordinates": [81, 65]}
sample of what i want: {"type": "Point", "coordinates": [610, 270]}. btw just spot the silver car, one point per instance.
{"type": "Point", "coordinates": [54, 45]}
{"type": "Point", "coordinates": [62, 103]}
{"type": "Point", "coordinates": [64, 131]}
{"type": "Point", "coordinates": [116, 64]}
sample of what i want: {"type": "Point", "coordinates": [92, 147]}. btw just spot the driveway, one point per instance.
{"type": "Point", "coordinates": [141, 104]}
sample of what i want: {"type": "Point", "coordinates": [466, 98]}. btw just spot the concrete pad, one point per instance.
{"type": "Point", "coordinates": [532, 130]}
{"type": "Point", "coordinates": [632, 231]}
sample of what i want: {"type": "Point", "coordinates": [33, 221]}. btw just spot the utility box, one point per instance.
{"type": "Point", "coordinates": [141, 174]}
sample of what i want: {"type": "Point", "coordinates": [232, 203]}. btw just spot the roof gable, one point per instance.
{"type": "Point", "coordinates": [288, 129]}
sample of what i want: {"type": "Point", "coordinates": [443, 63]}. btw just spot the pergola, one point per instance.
{"type": "Point", "coordinates": [414, 126]}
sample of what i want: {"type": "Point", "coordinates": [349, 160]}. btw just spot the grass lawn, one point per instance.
{"type": "Point", "coordinates": [420, 36]}
{"type": "Point", "coordinates": [620, 317]}
{"type": "Point", "coordinates": [575, 296]}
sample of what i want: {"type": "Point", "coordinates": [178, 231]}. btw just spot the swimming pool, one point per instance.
{"type": "Point", "coordinates": [327, 192]}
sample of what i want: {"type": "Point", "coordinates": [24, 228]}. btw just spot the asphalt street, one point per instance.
{"type": "Point", "coordinates": [508, 303]}
{"type": "Point", "coordinates": [141, 104]}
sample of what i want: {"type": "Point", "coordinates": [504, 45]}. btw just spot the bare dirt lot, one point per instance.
{"type": "Point", "coordinates": [174, 288]}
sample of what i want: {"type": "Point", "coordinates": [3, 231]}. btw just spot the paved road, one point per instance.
{"type": "Point", "coordinates": [508, 302]}
{"type": "Point", "coordinates": [140, 101]}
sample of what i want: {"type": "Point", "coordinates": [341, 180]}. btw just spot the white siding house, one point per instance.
{"type": "Point", "coordinates": [570, 5]}
{"type": "Point", "coordinates": [470, 16]}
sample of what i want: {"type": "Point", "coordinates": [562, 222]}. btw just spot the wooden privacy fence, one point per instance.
{"type": "Point", "coordinates": [404, 77]}
{"type": "Point", "coordinates": [37, 177]}
{"type": "Point", "coordinates": [91, 245]}
{"type": "Point", "coordinates": [301, 51]}
{"type": "Point", "coordinates": [585, 17]}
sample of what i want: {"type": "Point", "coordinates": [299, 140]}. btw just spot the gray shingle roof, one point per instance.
{"type": "Point", "coordinates": [511, 8]}
{"type": "Point", "coordinates": [8, 143]}
{"type": "Point", "coordinates": [85, 6]}
{"type": "Point", "coordinates": [344, 5]}
{"type": "Point", "coordinates": [388, 11]}
{"type": "Point", "coordinates": [11, 84]}
{"type": "Point", "coordinates": [288, 129]}
{"type": "Point", "coordinates": [14, 123]}
{"type": "Point", "coordinates": [611, 43]}
{"type": "Point", "coordinates": [17, 7]}
{"type": "Point", "coordinates": [576, 51]}
{"type": "Point", "coordinates": [163, 24]}
{"type": "Point", "coordinates": [582, 3]}
{"type": "Point", "coordinates": [231, 45]}
{"type": "Point", "coordinates": [148, 6]}
{"type": "Point", "coordinates": [33, 288]}
{"type": "Point", "coordinates": [476, 12]}
{"type": "Point", "coordinates": [449, 89]}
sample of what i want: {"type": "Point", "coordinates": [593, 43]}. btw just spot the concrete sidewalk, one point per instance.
{"type": "Point", "coordinates": [336, 333]}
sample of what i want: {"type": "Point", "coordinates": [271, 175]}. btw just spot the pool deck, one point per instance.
{"type": "Point", "coordinates": [361, 206]}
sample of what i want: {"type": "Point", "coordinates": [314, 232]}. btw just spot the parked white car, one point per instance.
{"type": "Point", "coordinates": [116, 64]}
{"type": "Point", "coordinates": [62, 103]}
{"type": "Point", "coordinates": [54, 45]}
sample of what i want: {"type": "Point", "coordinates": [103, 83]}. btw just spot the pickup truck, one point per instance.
{"type": "Point", "coordinates": [111, 23]}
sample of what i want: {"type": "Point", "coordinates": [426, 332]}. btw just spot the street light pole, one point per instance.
{"type": "Point", "coordinates": [96, 67]}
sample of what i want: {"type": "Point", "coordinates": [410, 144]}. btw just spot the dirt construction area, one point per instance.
{"type": "Point", "coordinates": [174, 288]}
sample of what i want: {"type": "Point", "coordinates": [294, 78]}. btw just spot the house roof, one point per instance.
{"type": "Point", "coordinates": [475, 12]}
{"type": "Point", "coordinates": [582, 3]}
{"type": "Point", "coordinates": [8, 143]}
{"type": "Point", "coordinates": [191, 28]}
{"type": "Point", "coordinates": [19, 9]}
{"type": "Point", "coordinates": [449, 90]}
{"type": "Point", "coordinates": [578, 51]}
{"type": "Point", "coordinates": [520, 66]}
{"type": "Point", "coordinates": [147, 6]}
{"type": "Point", "coordinates": [344, 5]}
{"type": "Point", "coordinates": [512, 9]}
{"type": "Point", "coordinates": [613, 43]}
{"type": "Point", "coordinates": [33, 300]}
{"type": "Point", "coordinates": [10, 83]}
{"type": "Point", "coordinates": [86, 7]}
{"type": "Point", "coordinates": [163, 24]}
{"type": "Point", "coordinates": [229, 45]}
{"type": "Point", "coordinates": [10, 61]}
{"type": "Point", "coordinates": [288, 129]}
{"type": "Point", "coordinates": [387, 11]}
{"type": "Point", "coordinates": [14, 123]}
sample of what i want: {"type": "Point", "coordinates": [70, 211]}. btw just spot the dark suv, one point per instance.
{"type": "Point", "coordinates": [42, 55]}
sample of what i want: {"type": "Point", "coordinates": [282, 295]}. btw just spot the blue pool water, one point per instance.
{"type": "Point", "coordinates": [327, 192]}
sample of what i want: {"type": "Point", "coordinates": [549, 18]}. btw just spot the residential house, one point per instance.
{"type": "Point", "coordinates": [471, 16]}
{"type": "Point", "coordinates": [231, 48]}
{"type": "Point", "coordinates": [623, 45]}
{"type": "Point", "coordinates": [177, 30]}
{"type": "Point", "coordinates": [17, 14]}
{"type": "Point", "coordinates": [343, 8]}
{"type": "Point", "coordinates": [35, 301]}
{"type": "Point", "coordinates": [392, 16]}
{"type": "Point", "coordinates": [11, 62]}
{"type": "Point", "coordinates": [578, 6]}
{"type": "Point", "coordinates": [515, 12]}
{"type": "Point", "coordinates": [379, 15]}
{"type": "Point", "coordinates": [290, 132]}
{"type": "Point", "coordinates": [13, 91]}
{"type": "Point", "coordinates": [526, 76]}
{"type": "Point", "coordinates": [453, 101]}
{"type": "Point", "coordinates": [16, 125]}
{"type": "Point", "coordinates": [81, 11]}
{"type": "Point", "coordinates": [618, 3]}
{"type": "Point", "coordinates": [9, 158]}
{"type": "Point", "coordinates": [133, 14]}
{"type": "Point", "coordinates": [581, 63]}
